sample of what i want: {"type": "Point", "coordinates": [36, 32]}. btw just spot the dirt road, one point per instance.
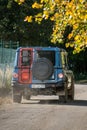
{"type": "Point", "coordinates": [46, 113]}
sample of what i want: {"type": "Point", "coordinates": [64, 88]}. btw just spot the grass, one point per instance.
{"type": "Point", "coordinates": [5, 77]}
{"type": "Point", "coordinates": [6, 60]}
{"type": "Point", "coordinates": [5, 85]}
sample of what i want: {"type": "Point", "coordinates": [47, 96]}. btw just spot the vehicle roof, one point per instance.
{"type": "Point", "coordinates": [43, 48]}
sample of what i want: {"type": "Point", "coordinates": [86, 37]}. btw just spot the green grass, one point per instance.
{"type": "Point", "coordinates": [5, 77]}
{"type": "Point", "coordinates": [7, 57]}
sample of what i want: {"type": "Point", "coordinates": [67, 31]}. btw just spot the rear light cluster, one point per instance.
{"type": "Point", "coordinates": [60, 75]}
{"type": "Point", "coordinates": [25, 76]}
{"type": "Point", "coordinates": [15, 75]}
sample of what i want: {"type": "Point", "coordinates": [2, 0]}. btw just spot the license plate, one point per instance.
{"type": "Point", "coordinates": [38, 86]}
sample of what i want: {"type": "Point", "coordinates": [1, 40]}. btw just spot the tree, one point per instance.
{"type": "Point", "coordinates": [14, 28]}
{"type": "Point", "coordinates": [9, 20]}
{"type": "Point", "coordinates": [63, 13]}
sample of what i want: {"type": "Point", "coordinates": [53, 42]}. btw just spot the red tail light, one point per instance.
{"type": "Point", "coordinates": [15, 75]}
{"type": "Point", "coordinates": [60, 75]}
{"type": "Point", "coordinates": [25, 76]}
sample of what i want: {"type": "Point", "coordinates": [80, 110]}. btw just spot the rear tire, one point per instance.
{"type": "Point", "coordinates": [71, 92]}
{"type": "Point", "coordinates": [27, 97]}
{"type": "Point", "coordinates": [17, 96]}
{"type": "Point", "coordinates": [64, 98]}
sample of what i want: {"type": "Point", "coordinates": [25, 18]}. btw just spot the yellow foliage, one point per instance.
{"type": "Point", "coordinates": [71, 44]}
{"type": "Point", "coordinates": [81, 1]}
{"type": "Point", "coordinates": [56, 15]}
{"type": "Point", "coordinates": [85, 16]}
{"type": "Point", "coordinates": [28, 19]}
{"type": "Point", "coordinates": [75, 26]}
{"type": "Point", "coordinates": [64, 13]}
{"type": "Point", "coordinates": [52, 18]}
{"type": "Point", "coordinates": [38, 17]}
{"type": "Point", "coordinates": [19, 1]}
{"type": "Point", "coordinates": [37, 5]}
{"type": "Point", "coordinates": [42, 1]}
{"type": "Point", "coordinates": [67, 45]}
{"type": "Point", "coordinates": [69, 13]}
{"type": "Point", "coordinates": [77, 37]}
{"type": "Point", "coordinates": [57, 1]}
{"type": "Point", "coordinates": [70, 35]}
{"type": "Point", "coordinates": [45, 14]}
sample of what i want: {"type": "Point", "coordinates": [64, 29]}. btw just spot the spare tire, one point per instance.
{"type": "Point", "coordinates": [42, 69]}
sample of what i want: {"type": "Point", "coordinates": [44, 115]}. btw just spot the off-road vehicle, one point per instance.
{"type": "Point", "coordinates": [42, 71]}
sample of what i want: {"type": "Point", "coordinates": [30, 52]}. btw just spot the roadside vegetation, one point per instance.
{"type": "Point", "coordinates": [5, 85]}
{"type": "Point", "coordinates": [65, 14]}
{"type": "Point", "coordinates": [81, 78]}
{"type": "Point", "coordinates": [5, 77]}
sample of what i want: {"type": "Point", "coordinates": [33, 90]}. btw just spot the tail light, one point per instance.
{"type": "Point", "coordinates": [60, 75]}
{"type": "Point", "coordinates": [25, 76]}
{"type": "Point", "coordinates": [15, 75]}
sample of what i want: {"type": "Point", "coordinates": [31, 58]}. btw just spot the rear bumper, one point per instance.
{"type": "Point", "coordinates": [50, 89]}
{"type": "Point", "coordinates": [47, 85]}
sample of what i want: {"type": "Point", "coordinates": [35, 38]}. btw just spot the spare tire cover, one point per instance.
{"type": "Point", "coordinates": [42, 69]}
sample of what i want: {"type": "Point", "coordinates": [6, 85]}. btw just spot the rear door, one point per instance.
{"type": "Point", "coordinates": [25, 64]}
{"type": "Point", "coordinates": [45, 66]}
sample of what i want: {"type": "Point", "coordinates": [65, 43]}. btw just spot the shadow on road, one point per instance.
{"type": "Point", "coordinates": [74, 103]}
{"type": "Point", "coordinates": [53, 102]}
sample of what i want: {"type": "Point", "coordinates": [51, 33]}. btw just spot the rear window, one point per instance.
{"type": "Point", "coordinates": [26, 58]}
{"type": "Point", "coordinates": [47, 54]}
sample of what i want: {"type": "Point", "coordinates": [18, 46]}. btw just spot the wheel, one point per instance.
{"type": "Point", "coordinates": [64, 98]}
{"type": "Point", "coordinates": [27, 97]}
{"type": "Point", "coordinates": [17, 96]}
{"type": "Point", "coordinates": [71, 92]}
{"type": "Point", "coordinates": [42, 69]}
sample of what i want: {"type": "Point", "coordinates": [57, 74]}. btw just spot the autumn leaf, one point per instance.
{"type": "Point", "coordinates": [28, 19]}
{"type": "Point", "coordinates": [70, 35]}
{"type": "Point", "coordinates": [19, 1]}
{"type": "Point", "coordinates": [37, 5]}
{"type": "Point", "coordinates": [38, 18]}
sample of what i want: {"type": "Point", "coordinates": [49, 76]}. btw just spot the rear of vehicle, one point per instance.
{"type": "Point", "coordinates": [41, 71]}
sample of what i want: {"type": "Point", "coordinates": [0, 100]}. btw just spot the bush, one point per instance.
{"type": "Point", "coordinates": [81, 76]}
